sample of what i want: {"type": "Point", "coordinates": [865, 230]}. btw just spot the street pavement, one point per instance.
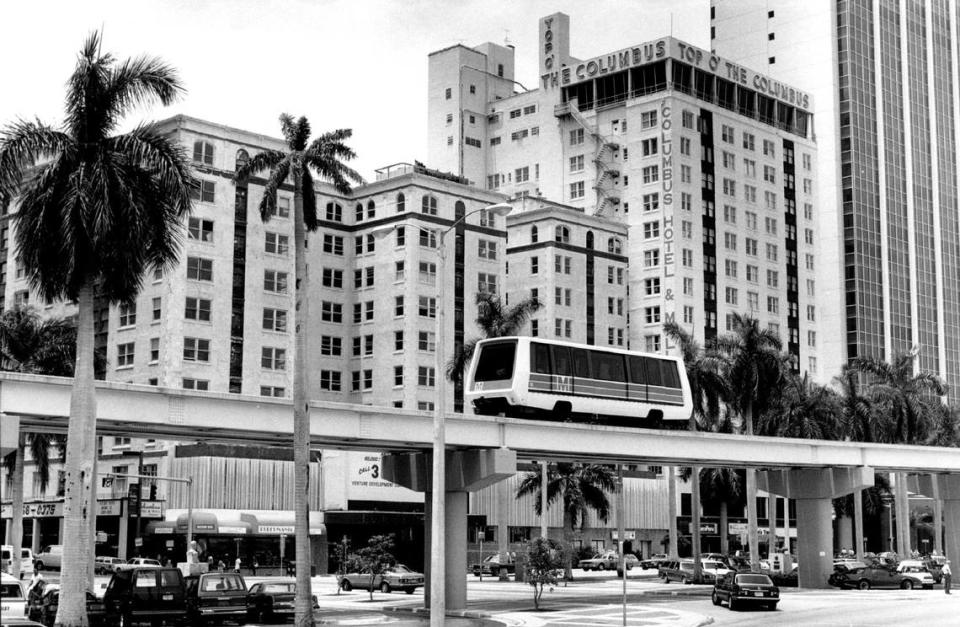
{"type": "Point", "coordinates": [596, 599]}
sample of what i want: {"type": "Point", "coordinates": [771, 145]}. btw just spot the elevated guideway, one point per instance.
{"type": "Point", "coordinates": [43, 404]}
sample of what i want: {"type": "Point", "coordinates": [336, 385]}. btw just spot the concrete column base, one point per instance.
{"type": "Point", "coordinates": [948, 489]}
{"type": "Point", "coordinates": [814, 542]}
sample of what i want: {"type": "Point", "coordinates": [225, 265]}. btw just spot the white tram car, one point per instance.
{"type": "Point", "coordinates": [529, 377]}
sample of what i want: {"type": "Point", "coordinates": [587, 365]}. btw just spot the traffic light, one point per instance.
{"type": "Point", "coordinates": [153, 492]}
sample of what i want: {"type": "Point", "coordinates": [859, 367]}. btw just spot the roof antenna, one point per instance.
{"type": "Point", "coordinates": [506, 38]}
{"type": "Point", "coordinates": [671, 23]}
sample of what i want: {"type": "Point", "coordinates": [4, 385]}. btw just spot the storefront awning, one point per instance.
{"type": "Point", "coordinates": [282, 523]}
{"type": "Point", "coordinates": [240, 524]}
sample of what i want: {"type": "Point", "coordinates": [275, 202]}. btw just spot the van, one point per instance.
{"type": "Point", "coordinates": [138, 594]}
{"type": "Point", "coordinates": [50, 557]}
{"type": "Point", "coordinates": [26, 561]}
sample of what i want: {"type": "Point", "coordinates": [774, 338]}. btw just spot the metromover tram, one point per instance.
{"type": "Point", "coordinates": [529, 377]}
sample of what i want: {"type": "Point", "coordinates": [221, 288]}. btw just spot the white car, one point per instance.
{"type": "Point", "coordinates": [13, 604]}
{"type": "Point", "coordinates": [715, 568]}
{"type": "Point", "coordinates": [26, 561]}
{"type": "Point", "coordinates": [917, 573]}
{"type": "Point", "coordinates": [50, 557]}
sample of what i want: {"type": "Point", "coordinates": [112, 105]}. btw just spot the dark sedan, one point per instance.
{"type": "Point", "coordinates": [654, 561]}
{"type": "Point", "coordinates": [742, 589]}
{"type": "Point", "coordinates": [272, 600]}
{"type": "Point", "coordinates": [44, 608]}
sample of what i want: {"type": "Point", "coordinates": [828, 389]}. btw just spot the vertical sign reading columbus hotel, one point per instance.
{"type": "Point", "coordinates": [666, 203]}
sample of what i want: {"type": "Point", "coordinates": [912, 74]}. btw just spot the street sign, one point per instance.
{"type": "Point", "coordinates": [138, 541]}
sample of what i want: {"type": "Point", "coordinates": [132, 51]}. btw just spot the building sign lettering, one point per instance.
{"type": "Point", "coordinates": [548, 44]}
{"type": "Point", "coordinates": [652, 51]}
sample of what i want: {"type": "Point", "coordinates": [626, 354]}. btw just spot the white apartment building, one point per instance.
{"type": "Point", "coordinates": [885, 81]}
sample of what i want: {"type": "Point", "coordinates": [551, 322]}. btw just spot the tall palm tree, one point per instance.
{"type": "Point", "coordinates": [754, 370]}
{"type": "Point", "coordinates": [708, 389]}
{"type": "Point", "coordinates": [580, 487]}
{"type": "Point", "coordinates": [96, 210]}
{"type": "Point", "coordinates": [803, 410]}
{"type": "Point", "coordinates": [325, 156]}
{"type": "Point", "coordinates": [945, 427]}
{"type": "Point", "coordinates": [494, 319]}
{"type": "Point", "coordinates": [908, 400]}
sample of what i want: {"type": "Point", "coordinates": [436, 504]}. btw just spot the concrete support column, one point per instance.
{"type": "Point", "coordinates": [35, 538]}
{"type": "Point", "coordinates": [814, 541]}
{"type": "Point", "coordinates": [455, 526]}
{"type": "Point", "coordinates": [122, 530]}
{"type": "Point", "coordinates": [947, 487]}
{"type": "Point", "coordinates": [845, 532]}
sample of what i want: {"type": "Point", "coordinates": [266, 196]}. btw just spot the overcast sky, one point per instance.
{"type": "Point", "coordinates": [359, 64]}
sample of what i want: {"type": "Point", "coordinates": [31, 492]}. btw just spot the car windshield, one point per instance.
{"type": "Point", "coordinates": [11, 591]}
{"type": "Point", "coordinates": [712, 565]}
{"type": "Point", "coordinates": [220, 582]}
{"type": "Point", "coordinates": [754, 579]}
{"type": "Point", "coordinates": [279, 588]}
{"type": "Point", "coordinates": [400, 568]}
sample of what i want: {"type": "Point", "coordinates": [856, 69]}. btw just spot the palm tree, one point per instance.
{"type": "Point", "coordinates": [495, 319]}
{"type": "Point", "coordinates": [324, 155]}
{"type": "Point", "coordinates": [580, 487]}
{"type": "Point", "coordinates": [803, 410]}
{"type": "Point", "coordinates": [908, 400]}
{"type": "Point", "coordinates": [707, 388]}
{"type": "Point", "coordinates": [945, 427]}
{"type": "Point", "coordinates": [754, 370]}
{"type": "Point", "coordinates": [96, 209]}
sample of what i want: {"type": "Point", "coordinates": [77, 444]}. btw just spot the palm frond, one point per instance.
{"type": "Point", "coordinates": [23, 144]}
{"type": "Point", "coordinates": [142, 81]}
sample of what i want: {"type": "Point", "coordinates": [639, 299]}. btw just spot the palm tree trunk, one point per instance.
{"type": "Point", "coordinates": [752, 501]}
{"type": "Point", "coordinates": [303, 607]}
{"type": "Point", "coordinates": [81, 448]}
{"type": "Point", "coordinates": [937, 518]}
{"type": "Point", "coordinates": [568, 545]}
{"type": "Point", "coordinates": [16, 518]}
{"type": "Point", "coordinates": [503, 500]}
{"type": "Point", "coordinates": [903, 516]}
{"type": "Point", "coordinates": [695, 521]}
{"type": "Point", "coordinates": [771, 525]}
{"type": "Point", "coordinates": [672, 479]}
{"type": "Point", "coordinates": [724, 529]}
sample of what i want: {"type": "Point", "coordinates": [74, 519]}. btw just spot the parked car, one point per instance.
{"type": "Point", "coordinates": [271, 600]}
{"type": "Point", "coordinates": [398, 577]}
{"type": "Point", "coordinates": [145, 593]}
{"type": "Point", "coordinates": [630, 561]}
{"type": "Point", "coordinates": [107, 565]}
{"type": "Point", "coordinates": [46, 611]}
{"type": "Point", "coordinates": [142, 562]}
{"type": "Point", "coordinates": [879, 577]}
{"type": "Point", "coordinates": [716, 568]}
{"type": "Point", "coordinates": [13, 604]}
{"type": "Point", "coordinates": [682, 571]}
{"type": "Point", "coordinates": [654, 561]}
{"type": "Point", "coordinates": [216, 597]}
{"type": "Point", "coordinates": [50, 557]}
{"type": "Point", "coordinates": [492, 566]}
{"type": "Point", "coordinates": [746, 589]}
{"type": "Point", "coordinates": [26, 561]}
{"type": "Point", "coordinates": [608, 560]}
{"type": "Point", "coordinates": [928, 564]}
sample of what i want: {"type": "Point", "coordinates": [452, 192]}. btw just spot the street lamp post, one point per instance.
{"type": "Point", "coordinates": [438, 601]}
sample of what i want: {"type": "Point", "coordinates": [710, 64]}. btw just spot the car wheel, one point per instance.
{"type": "Point", "coordinates": [772, 607]}
{"type": "Point", "coordinates": [410, 590]}
{"type": "Point", "coordinates": [600, 566]}
{"type": "Point", "coordinates": [346, 586]}
{"type": "Point", "coordinates": [864, 584]}
{"type": "Point", "coordinates": [715, 599]}
{"type": "Point", "coordinates": [494, 572]}
{"type": "Point", "coordinates": [907, 584]}
{"type": "Point", "coordinates": [385, 587]}
{"type": "Point", "coordinates": [684, 580]}
{"type": "Point", "coordinates": [732, 604]}
{"type": "Point", "coordinates": [124, 621]}
{"type": "Point", "coordinates": [665, 578]}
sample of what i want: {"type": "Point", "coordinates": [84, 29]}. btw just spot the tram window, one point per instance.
{"type": "Point", "coordinates": [653, 371]}
{"type": "Point", "coordinates": [671, 378]}
{"type": "Point", "coordinates": [607, 366]}
{"type": "Point", "coordinates": [638, 373]}
{"type": "Point", "coordinates": [561, 361]}
{"type": "Point", "coordinates": [496, 362]}
{"type": "Point", "coordinates": [540, 358]}
{"type": "Point", "coordinates": [581, 362]}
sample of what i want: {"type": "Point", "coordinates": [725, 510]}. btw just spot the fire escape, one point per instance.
{"type": "Point", "coordinates": [606, 168]}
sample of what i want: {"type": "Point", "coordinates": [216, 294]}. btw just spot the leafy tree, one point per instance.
{"type": "Point", "coordinates": [580, 487]}
{"type": "Point", "coordinates": [494, 319]}
{"type": "Point", "coordinates": [545, 561]}
{"type": "Point", "coordinates": [96, 210]}
{"type": "Point", "coordinates": [374, 559]}
{"type": "Point", "coordinates": [754, 370]}
{"type": "Point", "coordinates": [325, 156]}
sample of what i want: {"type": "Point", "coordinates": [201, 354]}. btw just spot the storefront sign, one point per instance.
{"type": "Point", "coordinates": [35, 510]}
{"type": "Point", "coordinates": [109, 508]}
{"type": "Point", "coordinates": [627, 535]}
{"type": "Point", "coordinates": [151, 509]}
{"type": "Point", "coordinates": [240, 531]}
{"type": "Point", "coordinates": [365, 480]}
{"type": "Point", "coordinates": [275, 530]}
{"type": "Point", "coordinates": [204, 527]}
{"type": "Point", "coordinates": [708, 527]}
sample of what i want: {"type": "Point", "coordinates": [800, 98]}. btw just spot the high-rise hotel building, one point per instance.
{"type": "Point", "coordinates": [708, 164]}
{"type": "Point", "coordinates": [884, 76]}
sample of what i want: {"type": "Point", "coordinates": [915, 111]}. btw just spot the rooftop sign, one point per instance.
{"type": "Point", "coordinates": [651, 52]}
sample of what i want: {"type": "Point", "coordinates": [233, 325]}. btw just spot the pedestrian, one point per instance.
{"type": "Point", "coordinates": [236, 565]}
{"type": "Point", "coordinates": [220, 565]}
{"type": "Point", "coordinates": [947, 574]}
{"type": "Point", "coordinates": [253, 569]}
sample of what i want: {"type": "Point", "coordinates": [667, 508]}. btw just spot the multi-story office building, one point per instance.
{"type": "Point", "coordinates": [884, 78]}
{"type": "Point", "coordinates": [708, 164]}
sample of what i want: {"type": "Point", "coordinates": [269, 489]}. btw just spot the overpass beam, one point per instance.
{"type": "Point", "coordinates": [467, 471]}
{"type": "Point", "coordinates": [947, 487]}
{"type": "Point", "coordinates": [814, 489]}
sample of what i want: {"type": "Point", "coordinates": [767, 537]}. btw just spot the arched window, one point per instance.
{"type": "Point", "coordinates": [359, 212]}
{"type": "Point", "coordinates": [562, 235]}
{"type": "Point", "coordinates": [533, 234]}
{"type": "Point", "coordinates": [203, 153]}
{"type": "Point", "coordinates": [459, 210]}
{"type": "Point", "coordinates": [242, 157]}
{"type": "Point", "coordinates": [401, 203]}
{"type": "Point", "coordinates": [371, 210]}
{"type": "Point", "coordinates": [429, 205]}
{"type": "Point", "coordinates": [614, 246]}
{"type": "Point", "coordinates": [590, 240]}
{"type": "Point", "coordinates": [334, 212]}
